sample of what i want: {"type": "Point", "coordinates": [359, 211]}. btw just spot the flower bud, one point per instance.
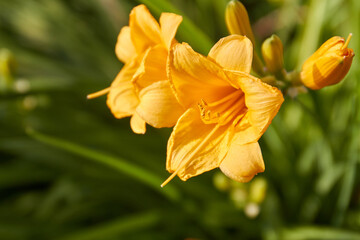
{"type": "Point", "coordinates": [257, 191]}
{"type": "Point", "coordinates": [328, 65]}
{"type": "Point", "coordinates": [221, 182]}
{"type": "Point", "coordinates": [272, 51]}
{"type": "Point", "coordinates": [237, 20]}
{"type": "Point", "coordinates": [7, 69]}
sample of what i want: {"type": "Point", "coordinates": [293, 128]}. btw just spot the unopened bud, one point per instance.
{"type": "Point", "coordinates": [328, 65]}
{"type": "Point", "coordinates": [237, 20]}
{"type": "Point", "coordinates": [221, 182]}
{"type": "Point", "coordinates": [272, 51]}
{"type": "Point", "coordinates": [257, 190]}
{"type": "Point", "coordinates": [7, 69]}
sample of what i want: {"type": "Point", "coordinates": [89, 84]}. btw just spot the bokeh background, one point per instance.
{"type": "Point", "coordinates": [70, 171]}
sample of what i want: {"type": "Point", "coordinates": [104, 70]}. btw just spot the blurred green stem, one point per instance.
{"type": "Point", "coordinates": [312, 29]}
{"type": "Point", "coordinates": [116, 163]}
{"type": "Point", "coordinates": [349, 177]}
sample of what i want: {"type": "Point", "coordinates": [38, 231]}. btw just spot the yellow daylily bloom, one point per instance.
{"type": "Point", "coordinates": [228, 110]}
{"type": "Point", "coordinates": [142, 89]}
{"type": "Point", "coordinates": [328, 65]}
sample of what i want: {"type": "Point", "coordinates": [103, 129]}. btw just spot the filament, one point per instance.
{"type": "Point", "coordinates": [98, 94]}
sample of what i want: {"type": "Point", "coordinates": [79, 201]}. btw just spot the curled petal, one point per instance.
{"type": "Point", "coordinates": [124, 48]}
{"type": "Point", "coordinates": [169, 23]}
{"type": "Point", "coordinates": [194, 77]}
{"type": "Point", "coordinates": [195, 147]}
{"type": "Point", "coordinates": [152, 67]}
{"type": "Point", "coordinates": [331, 45]}
{"type": "Point", "coordinates": [137, 124]}
{"type": "Point", "coordinates": [158, 105]}
{"type": "Point", "coordinates": [122, 99]}
{"type": "Point", "coordinates": [262, 101]}
{"type": "Point", "coordinates": [243, 162]}
{"type": "Point", "coordinates": [234, 52]}
{"type": "Point", "coordinates": [145, 31]}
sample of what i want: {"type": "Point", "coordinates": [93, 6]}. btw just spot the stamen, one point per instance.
{"type": "Point", "coordinates": [347, 42]}
{"type": "Point", "coordinates": [197, 149]}
{"type": "Point", "coordinates": [170, 178]}
{"type": "Point", "coordinates": [225, 99]}
{"type": "Point", "coordinates": [206, 114]}
{"type": "Point", "coordinates": [222, 110]}
{"type": "Point", "coordinates": [98, 94]}
{"type": "Point", "coordinates": [232, 110]}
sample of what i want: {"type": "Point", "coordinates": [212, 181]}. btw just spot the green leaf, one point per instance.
{"type": "Point", "coordinates": [116, 163]}
{"type": "Point", "coordinates": [318, 233]}
{"type": "Point", "coordinates": [118, 227]}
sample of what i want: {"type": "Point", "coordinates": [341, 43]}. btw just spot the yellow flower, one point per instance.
{"type": "Point", "coordinates": [328, 65]}
{"type": "Point", "coordinates": [141, 89]}
{"type": "Point", "coordinates": [227, 111]}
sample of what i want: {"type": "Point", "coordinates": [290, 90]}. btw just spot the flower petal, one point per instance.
{"type": "Point", "coordinates": [137, 124]}
{"type": "Point", "coordinates": [263, 102]}
{"type": "Point", "coordinates": [152, 67]}
{"type": "Point", "coordinates": [145, 31]}
{"type": "Point", "coordinates": [326, 70]}
{"type": "Point", "coordinates": [234, 52]}
{"type": "Point", "coordinates": [194, 77]}
{"type": "Point", "coordinates": [158, 105]}
{"type": "Point", "coordinates": [195, 147]}
{"type": "Point", "coordinates": [124, 48]}
{"type": "Point", "coordinates": [243, 162]}
{"type": "Point", "coordinates": [122, 99]}
{"type": "Point", "coordinates": [169, 23]}
{"type": "Point", "coordinates": [331, 45]}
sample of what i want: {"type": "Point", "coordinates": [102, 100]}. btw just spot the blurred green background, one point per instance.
{"type": "Point", "coordinates": [70, 171]}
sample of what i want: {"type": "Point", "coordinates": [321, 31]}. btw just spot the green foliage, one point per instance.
{"type": "Point", "coordinates": [81, 174]}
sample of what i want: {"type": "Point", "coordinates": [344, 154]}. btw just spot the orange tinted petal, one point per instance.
{"type": "Point", "coordinates": [137, 124]}
{"type": "Point", "coordinates": [234, 52]}
{"type": "Point", "coordinates": [122, 99]}
{"type": "Point", "coordinates": [169, 23]}
{"type": "Point", "coordinates": [158, 105]}
{"type": "Point", "coordinates": [152, 67]}
{"type": "Point", "coordinates": [145, 31]}
{"type": "Point", "coordinates": [194, 77]}
{"type": "Point", "coordinates": [124, 48]}
{"type": "Point", "coordinates": [183, 146]}
{"type": "Point", "coordinates": [262, 101]}
{"type": "Point", "coordinates": [243, 162]}
{"type": "Point", "coordinates": [327, 70]}
{"type": "Point", "coordinates": [331, 45]}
